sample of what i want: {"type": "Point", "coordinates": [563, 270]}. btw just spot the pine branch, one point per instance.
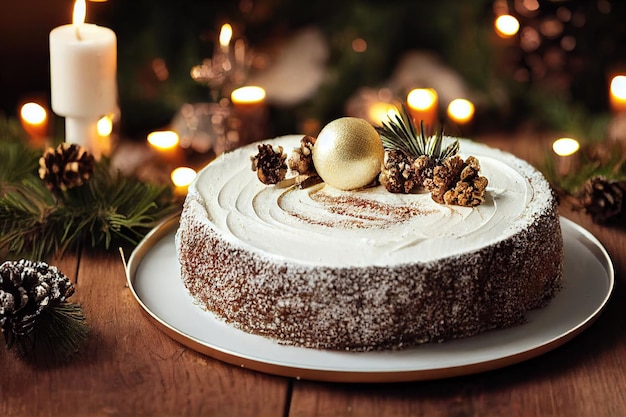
{"type": "Point", "coordinates": [126, 208]}
{"type": "Point", "coordinates": [57, 335]}
{"type": "Point", "coordinates": [110, 208]}
{"type": "Point", "coordinates": [16, 162]}
{"type": "Point", "coordinates": [28, 218]}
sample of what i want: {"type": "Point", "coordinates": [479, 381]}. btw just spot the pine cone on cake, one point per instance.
{"type": "Point", "coordinates": [270, 164]}
{"type": "Point", "coordinates": [301, 159]}
{"type": "Point", "coordinates": [67, 166]}
{"type": "Point", "coordinates": [602, 198]}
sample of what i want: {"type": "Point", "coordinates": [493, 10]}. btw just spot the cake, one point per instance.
{"type": "Point", "coordinates": [366, 269]}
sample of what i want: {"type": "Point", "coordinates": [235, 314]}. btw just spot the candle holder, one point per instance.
{"type": "Point", "coordinates": [207, 128]}
{"type": "Point", "coordinates": [227, 68]}
{"type": "Point", "coordinates": [213, 72]}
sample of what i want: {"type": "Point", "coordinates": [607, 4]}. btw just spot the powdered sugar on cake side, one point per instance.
{"type": "Point", "coordinates": [368, 269]}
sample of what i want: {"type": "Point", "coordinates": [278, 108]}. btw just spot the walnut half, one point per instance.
{"type": "Point", "coordinates": [457, 182]}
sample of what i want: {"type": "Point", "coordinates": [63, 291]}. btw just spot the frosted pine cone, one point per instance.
{"type": "Point", "coordinates": [67, 166]}
{"type": "Point", "coordinates": [26, 289]}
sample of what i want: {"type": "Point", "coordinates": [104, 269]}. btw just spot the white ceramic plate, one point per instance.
{"type": "Point", "coordinates": [154, 277]}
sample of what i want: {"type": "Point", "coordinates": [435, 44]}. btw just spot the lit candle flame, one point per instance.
{"type": "Point", "coordinates": [105, 126]}
{"type": "Point", "coordinates": [163, 140]}
{"type": "Point", "coordinates": [506, 25]}
{"type": "Point", "coordinates": [423, 106]}
{"type": "Point", "coordinates": [618, 87]}
{"type": "Point", "coordinates": [78, 17]}
{"type": "Point", "coordinates": [33, 113]}
{"type": "Point", "coordinates": [565, 146]}
{"type": "Point", "coordinates": [248, 95]}
{"type": "Point", "coordinates": [226, 33]}
{"type": "Point", "coordinates": [421, 98]}
{"type": "Point", "coordinates": [182, 176]}
{"type": "Point", "coordinates": [461, 110]}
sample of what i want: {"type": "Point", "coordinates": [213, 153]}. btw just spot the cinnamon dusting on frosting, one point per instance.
{"type": "Point", "coordinates": [360, 212]}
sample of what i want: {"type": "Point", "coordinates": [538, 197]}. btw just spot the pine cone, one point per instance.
{"type": "Point", "coordinates": [270, 164]}
{"type": "Point", "coordinates": [398, 174]}
{"type": "Point", "coordinates": [67, 166]}
{"type": "Point", "coordinates": [602, 198]}
{"type": "Point", "coordinates": [457, 182]}
{"type": "Point", "coordinates": [301, 160]}
{"type": "Point", "coordinates": [26, 289]}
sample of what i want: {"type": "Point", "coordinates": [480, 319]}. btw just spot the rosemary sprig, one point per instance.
{"type": "Point", "coordinates": [399, 133]}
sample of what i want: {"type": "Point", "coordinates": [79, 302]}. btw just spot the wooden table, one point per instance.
{"type": "Point", "coordinates": [130, 368]}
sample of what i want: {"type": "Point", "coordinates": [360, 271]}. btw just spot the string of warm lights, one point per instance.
{"type": "Point", "coordinates": [545, 34]}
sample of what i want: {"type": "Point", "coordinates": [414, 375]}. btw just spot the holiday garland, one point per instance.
{"type": "Point", "coordinates": [49, 203]}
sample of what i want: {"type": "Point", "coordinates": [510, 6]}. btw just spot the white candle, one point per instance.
{"type": "Point", "coordinates": [83, 82]}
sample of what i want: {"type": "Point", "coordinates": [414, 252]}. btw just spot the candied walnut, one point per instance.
{"type": "Point", "coordinates": [444, 177]}
{"type": "Point", "coordinates": [423, 167]}
{"type": "Point", "coordinates": [457, 182]}
{"type": "Point", "coordinates": [398, 174]}
{"type": "Point", "coordinates": [269, 164]}
{"type": "Point", "coordinates": [301, 159]}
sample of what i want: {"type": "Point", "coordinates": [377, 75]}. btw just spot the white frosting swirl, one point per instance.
{"type": "Point", "coordinates": [321, 225]}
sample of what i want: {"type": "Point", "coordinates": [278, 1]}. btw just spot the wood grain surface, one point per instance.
{"type": "Point", "coordinates": [130, 368]}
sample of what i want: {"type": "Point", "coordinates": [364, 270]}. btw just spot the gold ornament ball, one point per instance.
{"type": "Point", "coordinates": [348, 153]}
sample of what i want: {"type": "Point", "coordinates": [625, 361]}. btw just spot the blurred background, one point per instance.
{"type": "Point", "coordinates": [549, 64]}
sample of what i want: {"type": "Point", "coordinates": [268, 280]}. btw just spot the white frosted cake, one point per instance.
{"type": "Point", "coordinates": [368, 269]}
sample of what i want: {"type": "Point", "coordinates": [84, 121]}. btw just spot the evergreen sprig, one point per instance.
{"type": "Point", "coordinates": [111, 208]}
{"type": "Point", "coordinates": [606, 160]}
{"type": "Point", "coordinates": [58, 333]}
{"type": "Point", "coordinates": [399, 133]}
